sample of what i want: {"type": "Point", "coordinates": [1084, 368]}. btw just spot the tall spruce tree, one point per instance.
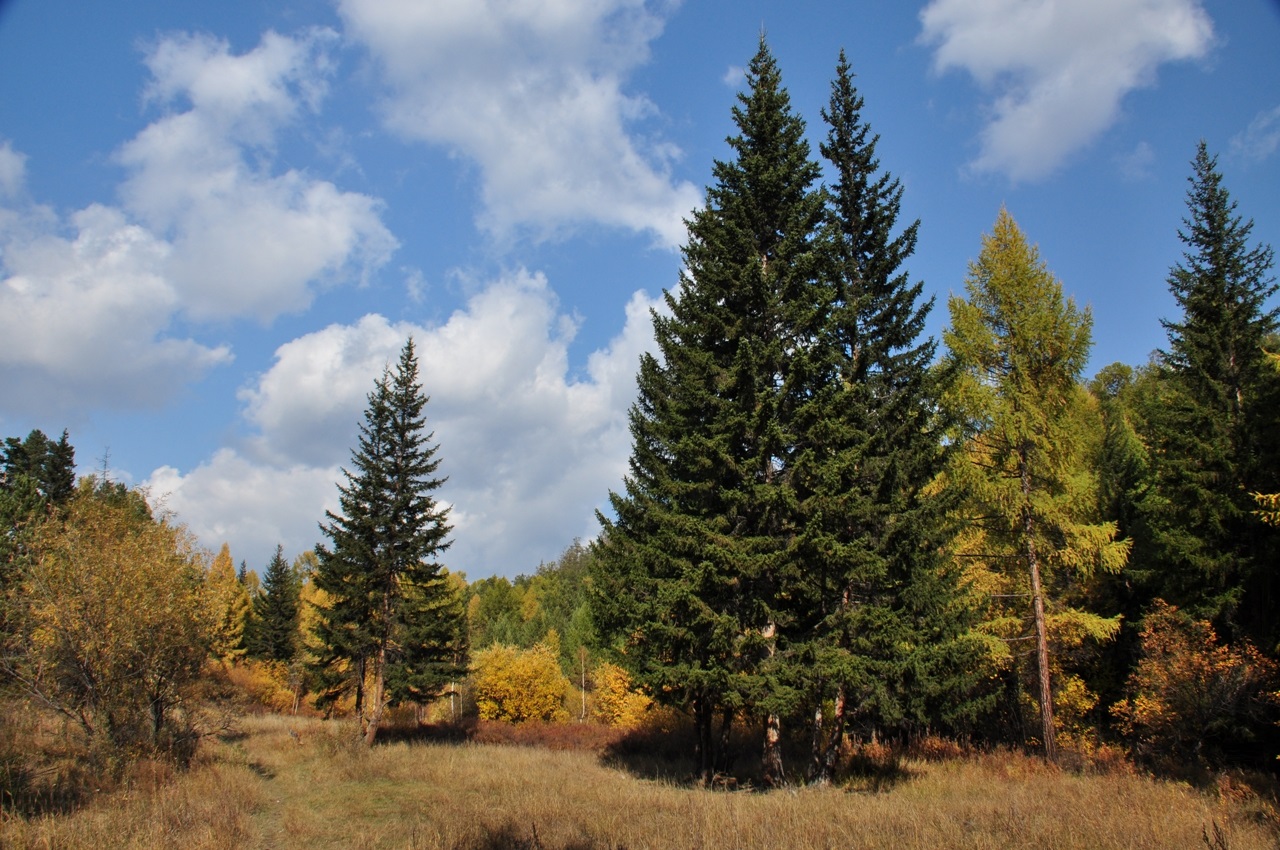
{"type": "Point", "coordinates": [1212, 425]}
{"type": "Point", "coordinates": [381, 574]}
{"type": "Point", "coordinates": [50, 465]}
{"type": "Point", "coordinates": [1019, 348]}
{"type": "Point", "coordinates": [276, 611]}
{"type": "Point", "coordinates": [689, 572]}
{"type": "Point", "coordinates": [873, 581]}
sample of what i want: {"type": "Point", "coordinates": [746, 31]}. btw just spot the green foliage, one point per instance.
{"type": "Point", "coordinates": [35, 473]}
{"type": "Point", "coordinates": [1028, 431]}
{"type": "Point", "coordinates": [275, 609]}
{"type": "Point", "coordinates": [521, 613]}
{"type": "Point", "coordinates": [690, 571]}
{"type": "Point", "coordinates": [876, 627]}
{"type": "Point", "coordinates": [50, 465]}
{"type": "Point", "coordinates": [112, 623]}
{"type": "Point", "coordinates": [1210, 425]}
{"type": "Point", "coordinates": [381, 575]}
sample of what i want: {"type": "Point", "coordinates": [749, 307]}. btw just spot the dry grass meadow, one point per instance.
{"type": "Point", "coordinates": [294, 782]}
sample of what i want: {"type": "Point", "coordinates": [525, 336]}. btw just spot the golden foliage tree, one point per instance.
{"type": "Point", "coordinates": [229, 605]}
{"type": "Point", "coordinates": [113, 621]}
{"type": "Point", "coordinates": [1019, 347]}
{"type": "Point", "coordinates": [618, 703]}
{"type": "Point", "coordinates": [520, 684]}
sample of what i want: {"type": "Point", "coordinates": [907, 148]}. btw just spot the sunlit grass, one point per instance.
{"type": "Point", "coordinates": [305, 783]}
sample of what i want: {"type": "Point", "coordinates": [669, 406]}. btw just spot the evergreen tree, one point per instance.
{"type": "Point", "coordinates": [52, 466]}
{"type": "Point", "coordinates": [276, 611]}
{"type": "Point", "coordinates": [689, 573]}
{"type": "Point", "coordinates": [381, 576]}
{"type": "Point", "coordinates": [1211, 426]}
{"type": "Point", "coordinates": [870, 442]}
{"type": "Point", "coordinates": [1020, 348]}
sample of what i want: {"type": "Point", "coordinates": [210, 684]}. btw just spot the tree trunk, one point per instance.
{"type": "Point", "coordinates": [1037, 606]}
{"type": "Point", "coordinates": [702, 745]}
{"type": "Point", "coordinates": [771, 759]}
{"type": "Point", "coordinates": [378, 697]}
{"type": "Point", "coordinates": [826, 745]}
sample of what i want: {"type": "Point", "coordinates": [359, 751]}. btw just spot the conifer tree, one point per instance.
{"type": "Point", "coordinates": [381, 576]}
{"type": "Point", "coordinates": [870, 442]}
{"type": "Point", "coordinates": [229, 606]}
{"type": "Point", "coordinates": [690, 570]}
{"type": "Point", "coordinates": [1211, 426]}
{"type": "Point", "coordinates": [276, 611]}
{"type": "Point", "coordinates": [1019, 348]}
{"type": "Point", "coordinates": [51, 466]}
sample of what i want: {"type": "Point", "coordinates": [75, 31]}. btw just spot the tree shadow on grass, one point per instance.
{"type": "Point", "coordinates": [509, 836]}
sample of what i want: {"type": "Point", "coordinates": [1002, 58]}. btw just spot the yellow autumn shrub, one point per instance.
{"type": "Point", "coordinates": [618, 703]}
{"type": "Point", "coordinates": [516, 685]}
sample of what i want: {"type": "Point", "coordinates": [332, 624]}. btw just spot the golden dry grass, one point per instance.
{"type": "Point", "coordinates": [305, 783]}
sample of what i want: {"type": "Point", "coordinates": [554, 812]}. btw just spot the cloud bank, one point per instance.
{"type": "Point", "coordinates": [529, 450]}
{"type": "Point", "coordinates": [534, 94]}
{"type": "Point", "coordinates": [91, 302]}
{"type": "Point", "coordinates": [1057, 69]}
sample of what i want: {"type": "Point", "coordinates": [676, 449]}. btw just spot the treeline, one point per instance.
{"type": "Point", "coordinates": [831, 529]}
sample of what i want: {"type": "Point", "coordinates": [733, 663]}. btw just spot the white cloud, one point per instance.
{"type": "Point", "coordinates": [533, 92]}
{"type": "Point", "coordinates": [245, 242]}
{"type": "Point", "coordinates": [1261, 138]}
{"type": "Point", "coordinates": [1058, 68]}
{"type": "Point", "coordinates": [83, 320]}
{"type": "Point", "coordinates": [88, 304]}
{"type": "Point", "coordinates": [13, 169]}
{"type": "Point", "coordinates": [530, 451]}
{"type": "Point", "coordinates": [253, 506]}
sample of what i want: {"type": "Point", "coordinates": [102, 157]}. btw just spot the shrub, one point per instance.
{"type": "Point", "coordinates": [519, 684]}
{"type": "Point", "coordinates": [112, 623]}
{"type": "Point", "coordinates": [617, 702]}
{"type": "Point", "coordinates": [1191, 697]}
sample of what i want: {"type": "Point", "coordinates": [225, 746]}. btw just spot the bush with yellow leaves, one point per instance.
{"type": "Point", "coordinates": [617, 702]}
{"type": "Point", "coordinates": [516, 685]}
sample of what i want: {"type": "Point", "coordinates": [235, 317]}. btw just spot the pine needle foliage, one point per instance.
{"type": "Point", "coordinates": [386, 619]}
{"type": "Point", "coordinates": [1031, 495]}
{"type": "Point", "coordinates": [1212, 422]}
{"type": "Point", "coordinates": [689, 571]}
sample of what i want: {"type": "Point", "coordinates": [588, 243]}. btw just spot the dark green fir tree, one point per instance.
{"type": "Point", "coordinates": [1211, 424]}
{"type": "Point", "coordinates": [275, 612]}
{"type": "Point", "coordinates": [689, 571]}
{"type": "Point", "coordinates": [870, 443]}
{"type": "Point", "coordinates": [380, 572]}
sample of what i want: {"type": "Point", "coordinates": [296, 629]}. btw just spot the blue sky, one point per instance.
{"type": "Point", "coordinates": [219, 221]}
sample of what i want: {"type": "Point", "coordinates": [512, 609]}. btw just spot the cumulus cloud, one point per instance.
{"type": "Point", "coordinates": [84, 319]}
{"type": "Point", "coordinates": [1256, 142]}
{"type": "Point", "coordinates": [89, 302]}
{"type": "Point", "coordinates": [530, 450]}
{"type": "Point", "coordinates": [1058, 69]}
{"type": "Point", "coordinates": [533, 93]}
{"type": "Point", "coordinates": [245, 242]}
{"type": "Point", "coordinates": [231, 498]}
